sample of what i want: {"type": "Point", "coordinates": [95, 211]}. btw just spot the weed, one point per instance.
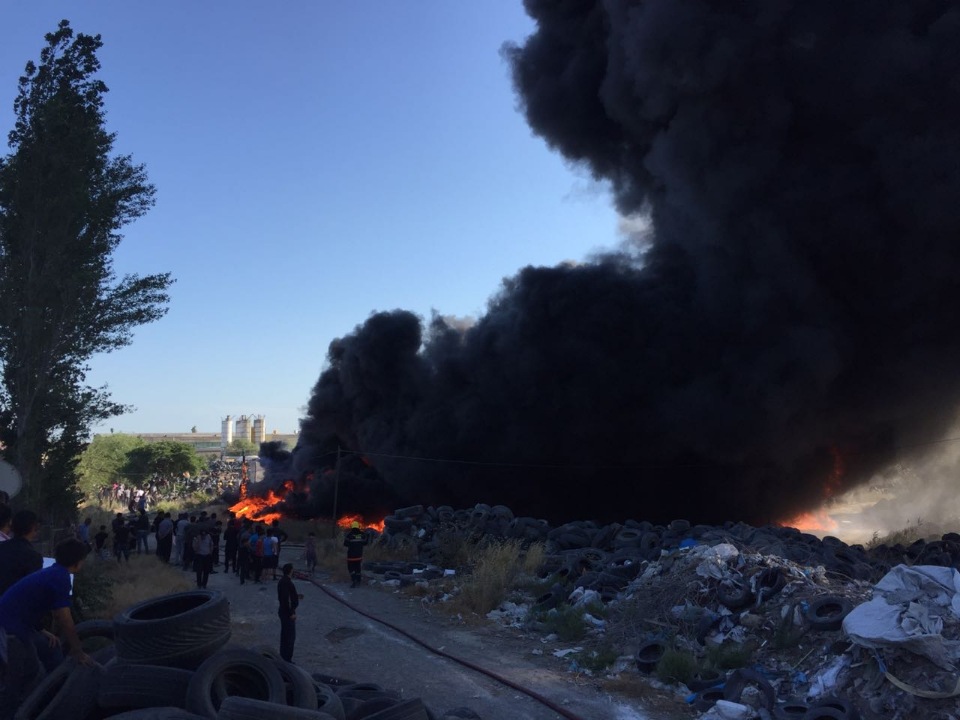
{"type": "Point", "coordinates": [729, 656]}
{"type": "Point", "coordinates": [599, 659]}
{"type": "Point", "coordinates": [104, 588]}
{"type": "Point", "coordinates": [566, 622]}
{"type": "Point", "coordinates": [676, 666]}
{"type": "Point", "coordinates": [495, 567]}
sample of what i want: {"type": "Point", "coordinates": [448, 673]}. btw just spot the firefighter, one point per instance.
{"type": "Point", "coordinates": [354, 542]}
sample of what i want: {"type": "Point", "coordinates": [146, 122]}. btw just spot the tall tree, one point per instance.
{"type": "Point", "coordinates": [103, 461]}
{"type": "Point", "coordinates": [168, 458]}
{"type": "Point", "coordinates": [64, 197]}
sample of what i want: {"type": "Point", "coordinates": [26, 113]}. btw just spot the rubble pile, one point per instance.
{"type": "Point", "coordinates": [763, 622]}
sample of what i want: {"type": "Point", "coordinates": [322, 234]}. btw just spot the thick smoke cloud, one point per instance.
{"type": "Point", "coordinates": [788, 326]}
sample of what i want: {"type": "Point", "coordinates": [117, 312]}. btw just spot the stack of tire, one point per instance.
{"type": "Point", "coordinates": [168, 659]}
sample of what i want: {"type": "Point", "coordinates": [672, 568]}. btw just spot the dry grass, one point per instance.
{"type": "Point", "coordinates": [905, 536]}
{"type": "Point", "coordinates": [495, 568]}
{"type": "Point", "coordinates": [106, 588]}
{"type": "Point", "coordinates": [660, 704]}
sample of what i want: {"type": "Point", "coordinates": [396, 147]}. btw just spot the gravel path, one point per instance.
{"type": "Point", "coordinates": [335, 640]}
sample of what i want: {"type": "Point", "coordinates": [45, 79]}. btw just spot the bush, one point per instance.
{"type": "Point", "coordinates": [676, 667]}
{"type": "Point", "coordinates": [566, 622]}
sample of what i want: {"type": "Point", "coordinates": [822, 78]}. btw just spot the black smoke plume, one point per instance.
{"type": "Point", "coordinates": [788, 326]}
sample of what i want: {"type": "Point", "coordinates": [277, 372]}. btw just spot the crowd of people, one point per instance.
{"type": "Point", "coordinates": [35, 600]}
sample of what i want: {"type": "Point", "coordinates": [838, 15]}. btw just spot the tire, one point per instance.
{"type": "Point", "coordinates": [397, 525]}
{"type": "Point", "coordinates": [124, 685]}
{"type": "Point", "coordinates": [739, 679]}
{"type": "Point", "coordinates": [411, 709]}
{"type": "Point", "coordinates": [299, 685]}
{"type": "Point", "coordinates": [242, 708]}
{"type": "Point", "coordinates": [234, 672]}
{"type": "Point", "coordinates": [705, 679]}
{"type": "Point", "coordinates": [827, 612]}
{"type": "Point", "coordinates": [832, 707]}
{"type": "Point", "coordinates": [157, 713]}
{"type": "Point", "coordinates": [770, 582]}
{"type": "Point", "coordinates": [363, 692]}
{"type": "Point", "coordinates": [95, 629]}
{"type": "Point", "coordinates": [650, 545]}
{"type": "Point", "coordinates": [332, 681]}
{"type": "Point", "coordinates": [791, 710]}
{"type": "Point", "coordinates": [734, 594]}
{"type": "Point", "coordinates": [179, 630]}
{"type": "Point", "coordinates": [825, 713]}
{"type": "Point", "coordinates": [328, 702]}
{"type": "Point", "coordinates": [412, 512]}
{"type": "Point", "coordinates": [649, 654]}
{"type": "Point", "coordinates": [69, 692]}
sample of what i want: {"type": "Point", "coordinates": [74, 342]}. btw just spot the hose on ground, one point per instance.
{"type": "Point", "coordinates": [442, 653]}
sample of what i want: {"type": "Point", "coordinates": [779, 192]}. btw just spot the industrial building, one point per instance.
{"type": "Point", "coordinates": [250, 427]}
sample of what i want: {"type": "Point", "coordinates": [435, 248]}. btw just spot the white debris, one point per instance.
{"type": "Point", "coordinates": [566, 651]}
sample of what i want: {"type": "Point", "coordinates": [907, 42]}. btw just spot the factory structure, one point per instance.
{"type": "Point", "coordinates": [252, 428]}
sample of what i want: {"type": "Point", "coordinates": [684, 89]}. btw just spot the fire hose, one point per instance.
{"type": "Point", "coordinates": [442, 653]}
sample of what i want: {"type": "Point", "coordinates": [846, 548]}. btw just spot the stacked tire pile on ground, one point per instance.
{"type": "Point", "coordinates": [168, 659]}
{"type": "Point", "coordinates": [816, 583]}
{"type": "Point", "coordinates": [605, 558]}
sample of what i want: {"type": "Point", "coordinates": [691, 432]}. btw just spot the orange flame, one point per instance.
{"type": "Point", "coordinates": [347, 520]}
{"type": "Point", "coordinates": [261, 509]}
{"type": "Point", "coordinates": [812, 522]}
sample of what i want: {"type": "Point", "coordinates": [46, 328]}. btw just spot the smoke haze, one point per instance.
{"type": "Point", "coordinates": [785, 328]}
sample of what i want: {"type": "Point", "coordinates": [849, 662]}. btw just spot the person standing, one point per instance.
{"type": "Point", "coordinates": [231, 537]}
{"type": "Point", "coordinates": [203, 556]}
{"type": "Point", "coordinates": [354, 542]}
{"type": "Point", "coordinates": [270, 553]}
{"type": "Point", "coordinates": [243, 558]}
{"type": "Point", "coordinates": [289, 601]}
{"type": "Point", "coordinates": [310, 552]}
{"type": "Point", "coordinates": [121, 542]}
{"type": "Point", "coordinates": [142, 526]}
{"type": "Point", "coordinates": [165, 538]}
{"type": "Point", "coordinates": [18, 557]}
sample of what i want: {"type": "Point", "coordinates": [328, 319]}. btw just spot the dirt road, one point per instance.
{"type": "Point", "coordinates": [335, 639]}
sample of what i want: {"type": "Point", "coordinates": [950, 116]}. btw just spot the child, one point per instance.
{"type": "Point", "coordinates": [100, 540]}
{"type": "Point", "coordinates": [310, 552]}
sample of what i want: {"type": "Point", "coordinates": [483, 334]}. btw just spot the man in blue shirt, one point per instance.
{"type": "Point", "coordinates": [23, 645]}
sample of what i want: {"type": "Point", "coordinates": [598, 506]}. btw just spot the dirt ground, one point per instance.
{"type": "Point", "coordinates": [334, 639]}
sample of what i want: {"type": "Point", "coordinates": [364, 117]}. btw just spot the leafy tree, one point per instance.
{"type": "Point", "coordinates": [167, 458]}
{"type": "Point", "coordinates": [63, 200]}
{"type": "Point", "coordinates": [240, 446]}
{"type": "Point", "coordinates": [104, 459]}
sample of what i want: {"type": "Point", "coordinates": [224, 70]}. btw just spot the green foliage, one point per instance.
{"type": "Point", "coordinates": [63, 200]}
{"type": "Point", "coordinates": [729, 656]}
{"type": "Point", "coordinates": [676, 666]}
{"type": "Point", "coordinates": [102, 462]}
{"type": "Point", "coordinates": [566, 622]}
{"type": "Point", "coordinates": [168, 458]}
{"type": "Point", "coordinates": [241, 446]}
{"type": "Point", "coordinates": [599, 659]}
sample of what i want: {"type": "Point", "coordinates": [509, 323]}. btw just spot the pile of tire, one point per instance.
{"type": "Point", "coordinates": [168, 658]}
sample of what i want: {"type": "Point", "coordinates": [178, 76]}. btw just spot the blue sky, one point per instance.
{"type": "Point", "coordinates": [314, 162]}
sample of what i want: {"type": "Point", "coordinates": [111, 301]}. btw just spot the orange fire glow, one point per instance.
{"type": "Point", "coordinates": [812, 522]}
{"type": "Point", "coordinates": [347, 520]}
{"type": "Point", "coordinates": [261, 509]}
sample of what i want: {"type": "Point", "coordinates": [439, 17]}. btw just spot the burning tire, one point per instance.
{"type": "Point", "coordinates": [229, 673]}
{"type": "Point", "coordinates": [827, 612]}
{"type": "Point", "coordinates": [179, 630]}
